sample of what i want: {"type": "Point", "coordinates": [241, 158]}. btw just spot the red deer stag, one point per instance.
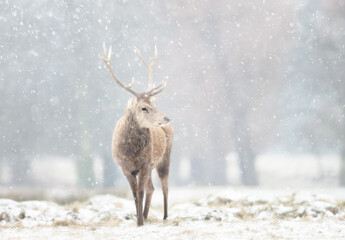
{"type": "Point", "coordinates": [142, 141]}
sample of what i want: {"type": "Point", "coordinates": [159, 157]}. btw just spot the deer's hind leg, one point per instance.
{"type": "Point", "coordinates": [163, 173]}
{"type": "Point", "coordinates": [149, 191]}
{"type": "Point", "coordinates": [163, 167]}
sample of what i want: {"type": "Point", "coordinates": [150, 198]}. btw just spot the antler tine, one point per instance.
{"type": "Point", "coordinates": [106, 59]}
{"type": "Point", "coordinates": [104, 49]}
{"type": "Point", "coordinates": [156, 90]}
{"type": "Point", "coordinates": [149, 67]}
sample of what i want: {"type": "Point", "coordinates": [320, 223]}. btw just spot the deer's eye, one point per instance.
{"type": "Point", "coordinates": [145, 109]}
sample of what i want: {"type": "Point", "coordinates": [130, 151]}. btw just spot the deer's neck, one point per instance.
{"type": "Point", "coordinates": [135, 138]}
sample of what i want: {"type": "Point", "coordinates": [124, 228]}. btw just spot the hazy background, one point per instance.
{"type": "Point", "coordinates": [255, 89]}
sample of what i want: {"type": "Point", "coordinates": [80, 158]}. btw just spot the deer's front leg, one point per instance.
{"type": "Point", "coordinates": [132, 180]}
{"type": "Point", "coordinates": [149, 191]}
{"type": "Point", "coordinates": [144, 176]}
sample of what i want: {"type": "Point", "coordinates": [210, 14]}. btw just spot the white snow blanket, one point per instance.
{"type": "Point", "coordinates": [227, 215]}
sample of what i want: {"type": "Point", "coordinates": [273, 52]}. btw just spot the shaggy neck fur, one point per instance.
{"type": "Point", "coordinates": [135, 139]}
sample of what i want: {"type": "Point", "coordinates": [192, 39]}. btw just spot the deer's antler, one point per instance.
{"type": "Point", "coordinates": [152, 91]}
{"type": "Point", "coordinates": [149, 67]}
{"type": "Point", "coordinates": [106, 58]}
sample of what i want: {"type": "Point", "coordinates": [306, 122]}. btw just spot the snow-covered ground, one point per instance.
{"type": "Point", "coordinates": [210, 213]}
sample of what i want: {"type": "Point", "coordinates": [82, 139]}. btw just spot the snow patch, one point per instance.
{"type": "Point", "coordinates": [230, 206]}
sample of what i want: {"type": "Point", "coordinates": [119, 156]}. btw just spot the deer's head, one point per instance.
{"type": "Point", "coordinates": [141, 105]}
{"type": "Point", "coordinates": [146, 113]}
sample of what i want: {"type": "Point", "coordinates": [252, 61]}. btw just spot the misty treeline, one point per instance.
{"type": "Point", "coordinates": [243, 77]}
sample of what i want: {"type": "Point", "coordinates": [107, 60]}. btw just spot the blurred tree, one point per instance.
{"type": "Point", "coordinates": [314, 94]}
{"type": "Point", "coordinates": [331, 52]}
{"type": "Point", "coordinates": [247, 65]}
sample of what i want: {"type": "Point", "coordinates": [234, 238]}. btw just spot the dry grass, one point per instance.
{"type": "Point", "coordinates": [66, 223]}
{"type": "Point", "coordinates": [92, 226]}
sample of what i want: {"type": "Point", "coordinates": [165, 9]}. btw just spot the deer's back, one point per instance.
{"type": "Point", "coordinates": [162, 143]}
{"type": "Point", "coordinates": [158, 145]}
{"type": "Point", "coordinates": [169, 133]}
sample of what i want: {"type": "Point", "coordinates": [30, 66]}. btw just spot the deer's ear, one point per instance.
{"type": "Point", "coordinates": [153, 98]}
